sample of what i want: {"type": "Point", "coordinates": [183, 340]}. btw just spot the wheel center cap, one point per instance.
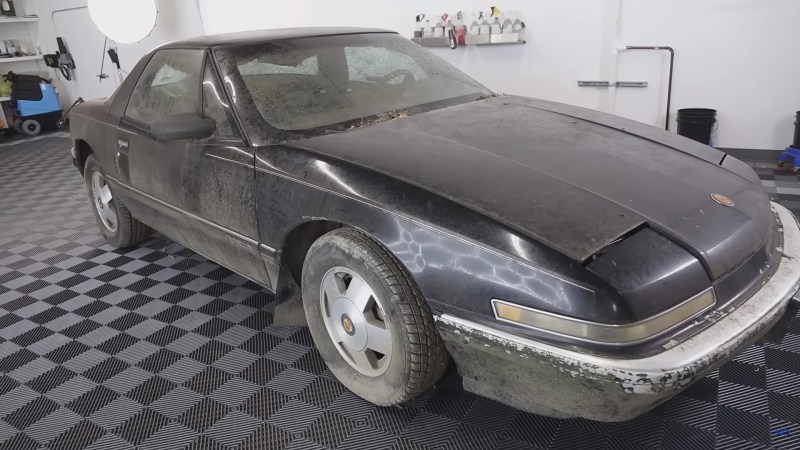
{"type": "Point", "coordinates": [347, 324]}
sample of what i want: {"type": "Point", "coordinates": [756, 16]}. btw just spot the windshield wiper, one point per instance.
{"type": "Point", "coordinates": [384, 117]}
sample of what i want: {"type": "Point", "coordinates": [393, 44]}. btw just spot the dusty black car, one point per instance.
{"type": "Point", "coordinates": [570, 262]}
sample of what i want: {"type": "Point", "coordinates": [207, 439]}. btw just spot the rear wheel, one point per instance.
{"type": "Point", "coordinates": [113, 218]}
{"type": "Point", "coordinates": [369, 319]}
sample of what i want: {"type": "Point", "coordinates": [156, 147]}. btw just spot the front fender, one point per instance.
{"type": "Point", "coordinates": [459, 259]}
{"type": "Point", "coordinates": [90, 125]}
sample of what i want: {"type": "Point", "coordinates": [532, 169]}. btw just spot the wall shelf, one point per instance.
{"type": "Point", "coordinates": [495, 39]}
{"type": "Point", "coordinates": [474, 39]}
{"type": "Point", "coordinates": [20, 58]}
{"type": "Point", "coordinates": [18, 19]}
{"type": "Point", "coordinates": [431, 41]}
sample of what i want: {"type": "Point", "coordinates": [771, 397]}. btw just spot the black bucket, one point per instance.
{"type": "Point", "coordinates": [697, 123]}
{"type": "Point", "coordinates": [796, 141]}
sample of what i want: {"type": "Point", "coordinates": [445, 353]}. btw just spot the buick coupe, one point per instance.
{"type": "Point", "coordinates": [568, 262]}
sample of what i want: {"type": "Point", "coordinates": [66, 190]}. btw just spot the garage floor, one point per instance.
{"type": "Point", "coordinates": [157, 347]}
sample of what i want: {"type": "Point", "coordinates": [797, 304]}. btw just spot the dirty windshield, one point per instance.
{"type": "Point", "coordinates": [338, 82]}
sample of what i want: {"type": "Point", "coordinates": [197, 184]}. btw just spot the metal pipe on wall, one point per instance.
{"type": "Point", "coordinates": [671, 65]}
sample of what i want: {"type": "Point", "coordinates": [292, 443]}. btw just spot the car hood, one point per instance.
{"type": "Point", "coordinates": [573, 179]}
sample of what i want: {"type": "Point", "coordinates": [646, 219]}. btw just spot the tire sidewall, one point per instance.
{"type": "Point", "coordinates": [90, 168]}
{"type": "Point", "coordinates": [325, 254]}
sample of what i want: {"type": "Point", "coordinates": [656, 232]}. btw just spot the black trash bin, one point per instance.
{"type": "Point", "coordinates": [697, 123]}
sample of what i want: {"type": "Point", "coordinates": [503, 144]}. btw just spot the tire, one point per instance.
{"type": "Point", "coordinates": [395, 309]}
{"type": "Point", "coordinates": [31, 127]}
{"type": "Point", "coordinates": [18, 126]}
{"type": "Point", "coordinates": [113, 218]}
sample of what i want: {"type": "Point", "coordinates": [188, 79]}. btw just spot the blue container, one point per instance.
{"type": "Point", "coordinates": [48, 104]}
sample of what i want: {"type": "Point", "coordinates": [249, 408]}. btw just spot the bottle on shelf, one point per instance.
{"type": "Point", "coordinates": [438, 29]}
{"type": "Point", "coordinates": [460, 28]}
{"type": "Point", "coordinates": [427, 28]}
{"type": "Point", "coordinates": [485, 27]}
{"type": "Point", "coordinates": [419, 28]}
{"type": "Point", "coordinates": [475, 26]}
{"type": "Point", "coordinates": [518, 23]}
{"type": "Point", "coordinates": [508, 22]}
{"type": "Point", "coordinates": [496, 26]}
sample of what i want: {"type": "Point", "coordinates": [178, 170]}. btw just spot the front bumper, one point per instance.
{"type": "Point", "coordinates": [544, 379]}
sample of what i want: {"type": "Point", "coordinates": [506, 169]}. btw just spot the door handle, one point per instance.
{"type": "Point", "coordinates": [122, 147]}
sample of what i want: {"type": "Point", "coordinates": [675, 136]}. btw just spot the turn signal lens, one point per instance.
{"type": "Point", "coordinates": [584, 330]}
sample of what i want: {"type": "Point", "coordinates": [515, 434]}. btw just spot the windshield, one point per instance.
{"type": "Point", "coordinates": [321, 82]}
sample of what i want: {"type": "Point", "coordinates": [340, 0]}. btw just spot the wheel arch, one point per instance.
{"type": "Point", "coordinates": [82, 152]}
{"type": "Point", "coordinates": [291, 257]}
{"type": "Point", "coordinates": [299, 240]}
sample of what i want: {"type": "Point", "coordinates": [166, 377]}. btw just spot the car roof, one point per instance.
{"type": "Point", "coordinates": [261, 36]}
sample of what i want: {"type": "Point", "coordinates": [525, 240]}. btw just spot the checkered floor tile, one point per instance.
{"type": "Point", "coordinates": [156, 347]}
{"type": "Point", "coordinates": [781, 185]}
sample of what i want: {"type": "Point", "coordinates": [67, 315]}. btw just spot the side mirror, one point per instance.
{"type": "Point", "coordinates": [182, 126]}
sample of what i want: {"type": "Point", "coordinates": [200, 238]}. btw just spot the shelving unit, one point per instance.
{"type": "Point", "coordinates": [20, 58]}
{"type": "Point", "coordinates": [20, 28]}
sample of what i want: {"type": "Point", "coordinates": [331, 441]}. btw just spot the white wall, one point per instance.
{"type": "Point", "coordinates": [69, 18]}
{"type": "Point", "coordinates": [563, 37]}
{"type": "Point", "coordinates": [737, 56]}
{"type": "Point", "coordinates": [740, 57]}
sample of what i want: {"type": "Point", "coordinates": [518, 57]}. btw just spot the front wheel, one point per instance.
{"type": "Point", "coordinates": [113, 218]}
{"type": "Point", "coordinates": [31, 127]}
{"type": "Point", "coordinates": [369, 319]}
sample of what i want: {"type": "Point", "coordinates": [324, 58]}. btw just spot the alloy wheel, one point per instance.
{"type": "Point", "coordinates": [103, 202]}
{"type": "Point", "coordinates": [356, 321]}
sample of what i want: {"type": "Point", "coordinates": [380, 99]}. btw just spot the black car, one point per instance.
{"type": "Point", "coordinates": [570, 262]}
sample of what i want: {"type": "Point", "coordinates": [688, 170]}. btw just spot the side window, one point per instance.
{"type": "Point", "coordinates": [168, 85]}
{"type": "Point", "coordinates": [216, 107]}
{"type": "Point", "coordinates": [376, 63]}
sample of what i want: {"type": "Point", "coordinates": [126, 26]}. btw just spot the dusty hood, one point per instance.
{"type": "Point", "coordinates": [572, 178]}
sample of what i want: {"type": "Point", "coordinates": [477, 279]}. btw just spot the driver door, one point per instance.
{"type": "Point", "coordinates": [197, 192]}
